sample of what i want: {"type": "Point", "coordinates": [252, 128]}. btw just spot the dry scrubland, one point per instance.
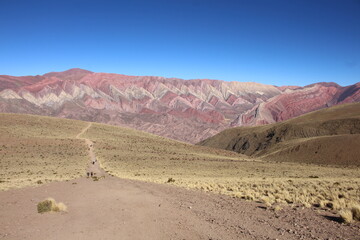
{"type": "Point", "coordinates": [40, 148]}
{"type": "Point", "coordinates": [328, 136]}
{"type": "Point", "coordinates": [131, 154]}
{"type": "Point", "coordinates": [35, 150]}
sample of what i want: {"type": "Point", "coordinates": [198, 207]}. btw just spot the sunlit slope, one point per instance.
{"type": "Point", "coordinates": [42, 149]}
{"type": "Point", "coordinates": [329, 136]}
{"type": "Point", "coordinates": [137, 155]}
{"type": "Point", "coordinates": [35, 148]}
{"type": "Point", "coordinates": [133, 154]}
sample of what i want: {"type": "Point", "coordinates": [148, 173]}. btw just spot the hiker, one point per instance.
{"type": "Point", "coordinates": [91, 174]}
{"type": "Point", "coordinates": [88, 174]}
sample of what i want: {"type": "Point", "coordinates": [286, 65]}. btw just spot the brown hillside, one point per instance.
{"type": "Point", "coordinates": [328, 136]}
{"type": "Point", "coordinates": [37, 150]}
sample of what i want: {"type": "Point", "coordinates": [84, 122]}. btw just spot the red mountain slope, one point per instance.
{"type": "Point", "coordinates": [186, 110]}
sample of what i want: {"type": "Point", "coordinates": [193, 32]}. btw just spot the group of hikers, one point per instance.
{"type": "Point", "coordinates": [91, 174]}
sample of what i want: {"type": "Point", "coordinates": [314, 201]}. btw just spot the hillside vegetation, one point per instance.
{"type": "Point", "coordinates": [128, 153]}
{"type": "Point", "coordinates": [35, 150]}
{"type": "Point", "coordinates": [38, 149]}
{"type": "Point", "coordinates": [328, 136]}
{"type": "Point", "coordinates": [134, 154]}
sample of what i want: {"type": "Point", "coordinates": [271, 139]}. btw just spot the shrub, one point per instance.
{"type": "Point", "coordinates": [307, 205]}
{"type": "Point", "coordinates": [170, 180]}
{"type": "Point", "coordinates": [50, 205]}
{"type": "Point", "coordinates": [267, 201]}
{"type": "Point", "coordinates": [355, 210]}
{"type": "Point", "coordinates": [346, 215]}
{"type": "Point", "coordinates": [96, 178]}
{"type": "Point", "coordinates": [350, 214]}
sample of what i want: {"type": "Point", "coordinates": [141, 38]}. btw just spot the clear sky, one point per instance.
{"type": "Point", "coordinates": [288, 42]}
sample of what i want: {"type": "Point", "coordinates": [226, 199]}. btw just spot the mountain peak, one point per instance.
{"type": "Point", "coordinates": [71, 74]}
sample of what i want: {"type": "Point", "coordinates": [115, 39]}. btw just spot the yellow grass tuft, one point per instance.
{"type": "Point", "coordinates": [350, 214]}
{"type": "Point", "coordinates": [267, 201]}
{"type": "Point", "coordinates": [50, 205]}
{"type": "Point", "coordinates": [355, 210]}
{"type": "Point", "coordinates": [277, 208]}
{"type": "Point", "coordinates": [346, 215]}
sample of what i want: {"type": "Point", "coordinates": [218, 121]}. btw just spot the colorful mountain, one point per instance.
{"type": "Point", "coordinates": [185, 110]}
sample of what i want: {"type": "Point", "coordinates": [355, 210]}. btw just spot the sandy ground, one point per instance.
{"type": "Point", "coordinates": [114, 208]}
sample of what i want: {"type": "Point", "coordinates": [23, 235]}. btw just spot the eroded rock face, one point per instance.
{"type": "Point", "coordinates": [186, 110]}
{"type": "Point", "coordinates": [298, 101]}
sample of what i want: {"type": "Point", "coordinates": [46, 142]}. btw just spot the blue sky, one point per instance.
{"type": "Point", "coordinates": [269, 41]}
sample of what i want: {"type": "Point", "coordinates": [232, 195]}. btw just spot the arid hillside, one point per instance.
{"type": "Point", "coordinates": [328, 136]}
{"type": "Point", "coordinates": [185, 110]}
{"type": "Point", "coordinates": [37, 150]}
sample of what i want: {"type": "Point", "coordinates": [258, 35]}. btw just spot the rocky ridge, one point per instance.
{"type": "Point", "coordinates": [186, 110]}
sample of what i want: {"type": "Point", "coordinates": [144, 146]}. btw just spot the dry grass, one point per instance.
{"type": "Point", "coordinates": [346, 215]}
{"type": "Point", "coordinates": [328, 136]}
{"type": "Point", "coordinates": [277, 208]}
{"type": "Point", "coordinates": [35, 150]}
{"type": "Point", "coordinates": [132, 154]}
{"type": "Point", "coordinates": [350, 214]}
{"type": "Point", "coordinates": [355, 210]}
{"type": "Point", "coordinates": [50, 205]}
{"type": "Point", "coordinates": [27, 126]}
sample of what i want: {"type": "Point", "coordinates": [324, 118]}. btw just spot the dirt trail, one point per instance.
{"type": "Point", "coordinates": [93, 165]}
{"type": "Point", "coordinates": [83, 131]}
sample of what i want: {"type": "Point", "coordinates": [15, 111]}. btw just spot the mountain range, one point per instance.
{"type": "Point", "coordinates": [327, 136]}
{"type": "Point", "coordinates": [185, 110]}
